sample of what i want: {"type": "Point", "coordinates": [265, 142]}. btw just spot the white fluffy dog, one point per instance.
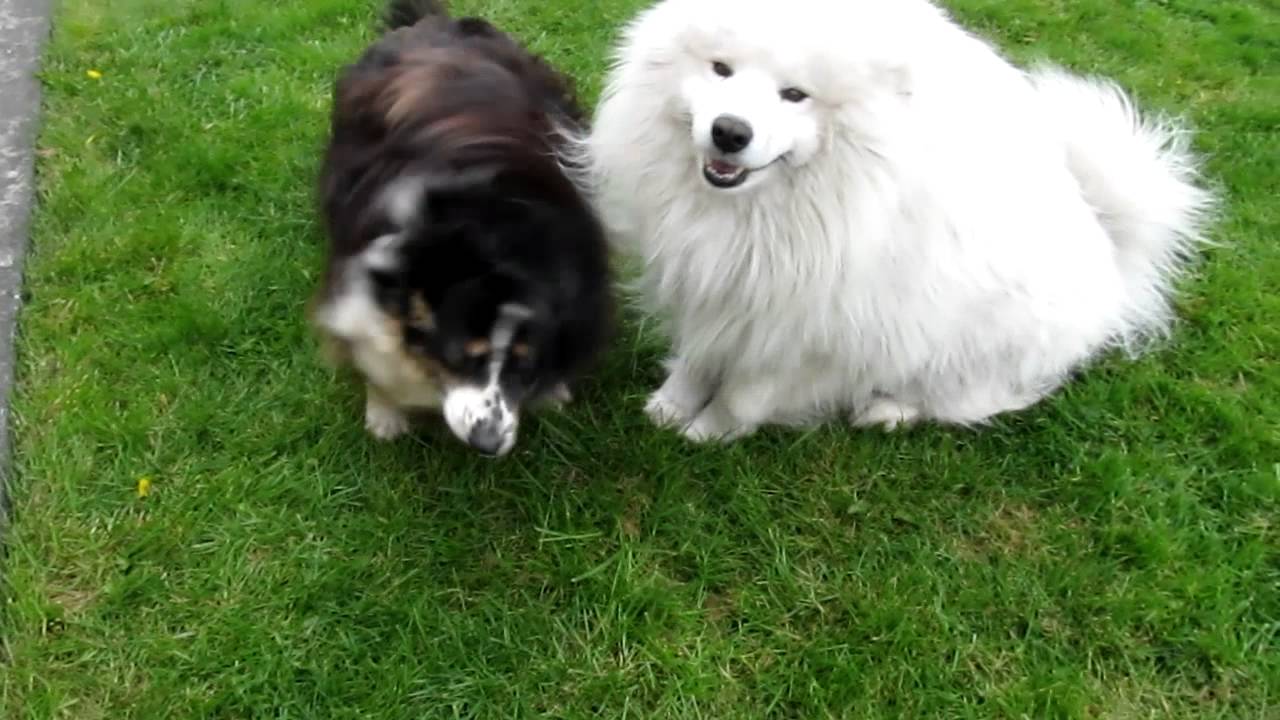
{"type": "Point", "coordinates": [857, 206]}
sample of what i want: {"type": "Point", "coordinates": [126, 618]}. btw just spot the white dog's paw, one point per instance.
{"type": "Point", "coordinates": [887, 414]}
{"type": "Point", "coordinates": [667, 412]}
{"type": "Point", "coordinates": [679, 399]}
{"type": "Point", "coordinates": [701, 430]}
{"type": "Point", "coordinates": [384, 422]}
{"type": "Point", "coordinates": [710, 426]}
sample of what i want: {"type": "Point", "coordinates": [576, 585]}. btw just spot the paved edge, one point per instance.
{"type": "Point", "coordinates": [24, 25]}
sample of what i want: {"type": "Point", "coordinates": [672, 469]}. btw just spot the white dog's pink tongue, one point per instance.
{"type": "Point", "coordinates": [721, 167]}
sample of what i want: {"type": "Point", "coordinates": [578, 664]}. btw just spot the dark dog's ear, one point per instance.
{"type": "Point", "coordinates": [355, 103]}
{"type": "Point", "coordinates": [382, 94]}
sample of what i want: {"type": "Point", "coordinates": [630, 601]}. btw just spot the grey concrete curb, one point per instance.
{"type": "Point", "coordinates": [24, 25]}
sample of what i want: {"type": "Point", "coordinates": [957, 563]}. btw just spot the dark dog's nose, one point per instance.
{"type": "Point", "coordinates": [730, 133]}
{"type": "Point", "coordinates": [486, 438]}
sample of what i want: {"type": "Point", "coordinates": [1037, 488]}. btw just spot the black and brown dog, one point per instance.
{"type": "Point", "coordinates": [466, 272]}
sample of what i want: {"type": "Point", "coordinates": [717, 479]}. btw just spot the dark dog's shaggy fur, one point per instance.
{"type": "Point", "coordinates": [466, 271]}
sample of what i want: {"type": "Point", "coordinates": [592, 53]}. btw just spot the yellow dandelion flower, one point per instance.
{"type": "Point", "coordinates": [144, 486]}
{"type": "Point", "coordinates": [93, 74]}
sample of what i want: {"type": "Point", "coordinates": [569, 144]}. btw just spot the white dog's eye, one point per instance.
{"type": "Point", "coordinates": [721, 69]}
{"type": "Point", "coordinates": [794, 95]}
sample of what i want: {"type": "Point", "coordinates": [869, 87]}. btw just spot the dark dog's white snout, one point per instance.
{"type": "Point", "coordinates": [488, 438]}
{"type": "Point", "coordinates": [482, 418]}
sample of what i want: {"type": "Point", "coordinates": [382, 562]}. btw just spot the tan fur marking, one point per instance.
{"type": "Point", "coordinates": [420, 314]}
{"type": "Point", "coordinates": [477, 347]}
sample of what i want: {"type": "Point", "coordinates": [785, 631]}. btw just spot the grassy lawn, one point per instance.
{"type": "Point", "coordinates": [1113, 553]}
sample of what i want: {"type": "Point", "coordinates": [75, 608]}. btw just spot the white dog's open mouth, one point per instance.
{"type": "Point", "coordinates": [724, 174]}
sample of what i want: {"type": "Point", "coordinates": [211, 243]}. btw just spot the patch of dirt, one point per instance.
{"type": "Point", "coordinates": [1011, 530]}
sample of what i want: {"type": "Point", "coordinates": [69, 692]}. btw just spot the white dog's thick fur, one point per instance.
{"type": "Point", "coordinates": [927, 232]}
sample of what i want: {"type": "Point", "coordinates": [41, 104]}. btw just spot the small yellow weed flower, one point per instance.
{"type": "Point", "coordinates": [144, 486]}
{"type": "Point", "coordinates": [93, 74]}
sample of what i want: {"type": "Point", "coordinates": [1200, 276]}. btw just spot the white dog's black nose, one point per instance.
{"type": "Point", "coordinates": [730, 134]}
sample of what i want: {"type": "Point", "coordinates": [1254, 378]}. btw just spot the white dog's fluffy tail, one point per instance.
{"type": "Point", "coordinates": [1140, 177]}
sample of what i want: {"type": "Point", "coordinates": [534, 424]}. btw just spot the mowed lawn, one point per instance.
{"type": "Point", "coordinates": [1113, 553]}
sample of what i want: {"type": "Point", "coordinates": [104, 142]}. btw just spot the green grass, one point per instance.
{"type": "Point", "coordinates": [1113, 553]}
